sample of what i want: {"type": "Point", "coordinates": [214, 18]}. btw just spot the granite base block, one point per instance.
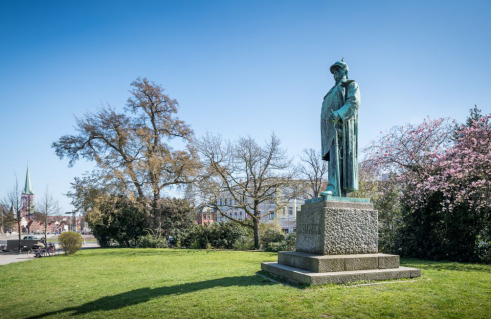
{"type": "Point", "coordinates": [337, 228]}
{"type": "Point", "coordinates": [331, 263]}
{"type": "Point", "coordinates": [297, 275]}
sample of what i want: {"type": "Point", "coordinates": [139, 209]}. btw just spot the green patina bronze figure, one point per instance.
{"type": "Point", "coordinates": [339, 132]}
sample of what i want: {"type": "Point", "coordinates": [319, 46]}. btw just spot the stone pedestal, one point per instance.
{"type": "Point", "coordinates": [337, 228]}
{"type": "Point", "coordinates": [337, 242]}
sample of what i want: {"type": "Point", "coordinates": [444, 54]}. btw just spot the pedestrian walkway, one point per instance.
{"type": "Point", "coordinates": [8, 258]}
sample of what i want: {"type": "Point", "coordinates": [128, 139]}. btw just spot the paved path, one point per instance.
{"type": "Point", "coordinates": [8, 258]}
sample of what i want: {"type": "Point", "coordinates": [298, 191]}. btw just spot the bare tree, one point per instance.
{"type": "Point", "coordinates": [13, 200]}
{"type": "Point", "coordinates": [249, 174]}
{"type": "Point", "coordinates": [4, 215]}
{"type": "Point", "coordinates": [313, 169]}
{"type": "Point", "coordinates": [8, 217]}
{"type": "Point", "coordinates": [46, 207]}
{"type": "Point", "coordinates": [132, 149]}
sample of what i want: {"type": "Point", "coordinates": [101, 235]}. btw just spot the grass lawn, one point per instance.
{"type": "Point", "coordinates": [172, 283]}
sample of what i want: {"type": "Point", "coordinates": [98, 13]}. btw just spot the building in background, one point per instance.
{"type": "Point", "coordinates": [56, 224]}
{"type": "Point", "coordinates": [206, 215]}
{"type": "Point", "coordinates": [286, 216]}
{"type": "Point", "coordinates": [27, 198]}
{"type": "Point", "coordinates": [27, 206]}
{"type": "Point", "coordinates": [281, 210]}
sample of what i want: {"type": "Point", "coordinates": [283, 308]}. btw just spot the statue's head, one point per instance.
{"type": "Point", "coordinates": [339, 70]}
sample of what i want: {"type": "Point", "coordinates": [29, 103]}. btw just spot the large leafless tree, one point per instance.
{"type": "Point", "coordinates": [247, 173]}
{"type": "Point", "coordinates": [314, 170]}
{"type": "Point", "coordinates": [132, 150]}
{"type": "Point", "coordinates": [7, 215]}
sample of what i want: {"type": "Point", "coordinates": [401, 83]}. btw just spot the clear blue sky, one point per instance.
{"type": "Point", "coordinates": [236, 68]}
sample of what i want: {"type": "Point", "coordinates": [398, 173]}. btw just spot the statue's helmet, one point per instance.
{"type": "Point", "coordinates": [340, 64]}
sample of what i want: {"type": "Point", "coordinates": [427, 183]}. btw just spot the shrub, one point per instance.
{"type": "Point", "coordinates": [150, 241]}
{"type": "Point", "coordinates": [71, 242]}
{"type": "Point", "coordinates": [225, 235]}
{"type": "Point", "coordinates": [231, 235]}
{"type": "Point", "coordinates": [197, 238]}
{"type": "Point", "coordinates": [244, 243]}
{"type": "Point", "coordinates": [118, 219]}
{"type": "Point", "coordinates": [176, 218]}
{"type": "Point", "coordinates": [270, 233]}
{"type": "Point", "coordinates": [290, 242]}
{"type": "Point", "coordinates": [216, 235]}
{"type": "Point", "coordinates": [287, 244]}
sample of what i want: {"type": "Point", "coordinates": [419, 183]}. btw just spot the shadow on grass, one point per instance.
{"type": "Point", "coordinates": [142, 295]}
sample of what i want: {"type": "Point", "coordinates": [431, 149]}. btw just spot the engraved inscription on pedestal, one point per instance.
{"type": "Point", "coordinates": [310, 228]}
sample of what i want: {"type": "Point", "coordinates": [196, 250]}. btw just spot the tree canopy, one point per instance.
{"type": "Point", "coordinates": [132, 150]}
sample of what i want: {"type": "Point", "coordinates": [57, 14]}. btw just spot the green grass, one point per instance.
{"type": "Point", "coordinates": [172, 283]}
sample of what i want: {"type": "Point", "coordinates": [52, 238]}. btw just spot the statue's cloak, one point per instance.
{"type": "Point", "coordinates": [343, 99]}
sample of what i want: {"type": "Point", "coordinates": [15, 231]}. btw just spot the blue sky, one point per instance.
{"type": "Point", "coordinates": [236, 67]}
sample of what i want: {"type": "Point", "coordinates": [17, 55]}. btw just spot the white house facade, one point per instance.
{"type": "Point", "coordinates": [285, 217]}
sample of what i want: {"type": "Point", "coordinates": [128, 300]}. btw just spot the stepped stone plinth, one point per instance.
{"type": "Point", "coordinates": [337, 242]}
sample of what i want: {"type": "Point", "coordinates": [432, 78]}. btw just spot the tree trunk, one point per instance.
{"type": "Point", "coordinates": [46, 231]}
{"type": "Point", "coordinates": [157, 213]}
{"type": "Point", "coordinates": [256, 233]}
{"type": "Point", "coordinates": [19, 231]}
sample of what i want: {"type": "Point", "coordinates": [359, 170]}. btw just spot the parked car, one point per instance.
{"type": "Point", "coordinates": [31, 237]}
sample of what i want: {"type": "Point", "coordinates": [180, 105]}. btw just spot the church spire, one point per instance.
{"type": "Point", "coordinates": [27, 187]}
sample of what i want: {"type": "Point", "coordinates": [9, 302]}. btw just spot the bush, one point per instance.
{"type": "Point", "coordinates": [216, 235]}
{"type": "Point", "coordinates": [71, 242]}
{"type": "Point", "coordinates": [225, 235]}
{"type": "Point", "coordinates": [150, 241]}
{"type": "Point", "coordinates": [270, 233]}
{"type": "Point", "coordinates": [197, 238]}
{"type": "Point", "coordinates": [176, 218]}
{"type": "Point", "coordinates": [118, 219]}
{"type": "Point", "coordinates": [232, 235]}
{"type": "Point", "coordinates": [290, 242]}
{"type": "Point", "coordinates": [287, 244]}
{"type": "Point", "coordinates": [244, 243]}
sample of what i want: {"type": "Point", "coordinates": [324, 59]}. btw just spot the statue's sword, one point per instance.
{"type": "Point", "coordinates": [336, 146]}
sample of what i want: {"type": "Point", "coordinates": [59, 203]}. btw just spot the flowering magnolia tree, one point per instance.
{"type": "Point", "coordinates": [443, 173]}
{"type": "Point", "coordinates": [409, 152]}
{"type": "Point", "coordinates": [464, 172]}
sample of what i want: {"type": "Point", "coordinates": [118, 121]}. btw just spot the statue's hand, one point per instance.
{"type": "Point", "coordinates": [333, 117]}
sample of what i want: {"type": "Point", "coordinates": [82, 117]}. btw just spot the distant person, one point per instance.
{"type": "Point", "coordinates": [39, 245]}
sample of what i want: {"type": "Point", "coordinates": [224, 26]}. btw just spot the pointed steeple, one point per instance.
{"type": "Point", "coordinates": [27, 187]}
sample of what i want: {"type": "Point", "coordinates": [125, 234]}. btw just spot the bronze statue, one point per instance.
{"type": "Point", "coordinates": [339, 132]}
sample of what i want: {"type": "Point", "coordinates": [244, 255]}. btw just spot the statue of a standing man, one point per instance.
{"type": "Point", "coordinates": [339, 132]}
